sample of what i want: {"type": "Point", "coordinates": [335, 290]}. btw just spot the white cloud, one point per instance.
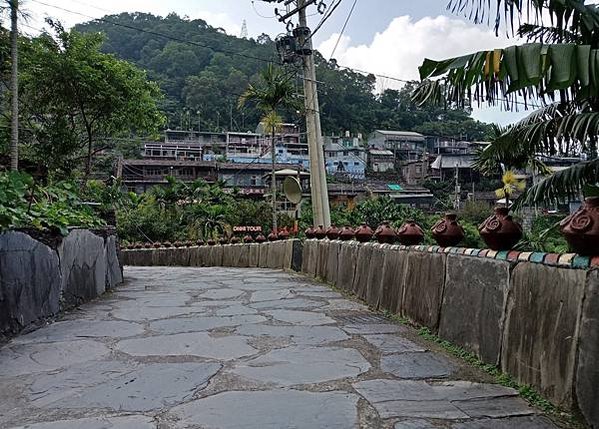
{"type": "Point", "coordinates": [219, 19]}
{"type": "Point", "coordinates": [399, 50]}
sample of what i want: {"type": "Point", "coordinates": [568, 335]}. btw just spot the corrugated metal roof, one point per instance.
{"type": "Point", "coordinates": [447, 161]}
{"type": "Point", "coordinates": [399, 133]}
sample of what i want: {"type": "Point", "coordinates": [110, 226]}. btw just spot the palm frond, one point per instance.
{"type": "Point", "coordinates": [574, 15]}
{"type": "Point", "coordinates": [562, 185]}
{"type": "Point", "coordinates": [544, 34]}
{"type": "Point", "coordinates": [526, 72]}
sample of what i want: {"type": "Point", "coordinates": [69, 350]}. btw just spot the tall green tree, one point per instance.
{"type": "Point", "coordinates": [78, 99]}
{"type": "Point", "coordinates": [559, 68]}
{"type": "Point", "coordinates": [275, 91]}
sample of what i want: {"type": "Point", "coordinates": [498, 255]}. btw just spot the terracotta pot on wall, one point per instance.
{"type": "Point", "coordinates": [333, 232]}
{"type": "Point", "coordinates": [320, 232]}
{"type": "Point", "coordinates": [283, 234]}
{"type": "Point", "coordinates": [235, 240]}
{"type": "Point", "coordinates": [581, 228]}
{"type": "Point", "coordinates": [309, 233]}
{"type": "Point", "coordinates": [248, 239]}
{"type": "Point", "coordinates": [448, 232]}
{"type": "Point", "coordinates": [385, 234]}
{"type": "Point", "coordinates": [273, 236]}
{"type": "Point", "coordinates": [499, 231]}
{"type": "Point", "coordinates": [166, 244]}
{"type": "Point", "coordinates": [156, 245]}
{"type": "Point", "coordinates": [260, 238]}
{"type": "Point", "coordinates": [364, 233]}
{"type": "Point", "coordinates": [410, 234]}
{"type": "Point", "coordinates": [211, 242]}
{"type": "Point", "coordinates": [200, 242]}
{"type": "Point", "coordinates": [223, 240]}
{"type": "Point", "coordinates": [346, 233]}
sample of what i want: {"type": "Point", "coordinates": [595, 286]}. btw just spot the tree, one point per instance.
{"type": "Point", "coordinates": [275, 91]}
{"type": "Point", "coordinates": [558, 67]}
{"type": "Point", "coordinates": [79, 98]}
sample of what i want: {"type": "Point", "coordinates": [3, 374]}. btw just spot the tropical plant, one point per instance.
{"type": "Point", "coordinates": [558, 68]}
{"type": "Point", "coordinates": [274, 92]}
{"type": "Point", "coordinates": [511, 185]}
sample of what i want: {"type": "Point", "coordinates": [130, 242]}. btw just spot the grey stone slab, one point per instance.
{"type": "Point", "coordinates": [272, 409]}
{"type": "Point", "coordinates": [417, 365]}
{"type": "Point", "coordinates": [236, 310]}
{"type": "Point", "coordinates": [346, 267]}
{"type": "Point", "coordinates": [419, 408]}
{"type": "Point", "coordinates": [271, 295]}
{"type": "Point", "coordinates": [304, 365]}
{"type": "Point", "coordinates": [141, 314]}
{"type": "Point", "coordinates": [83, 266]}
{"type": "Point", "coordinates": [362, 271]}
{"type": "Point", "coordinates": [126, 422]}
{"type": "Point", "coordinates": [222, 293]}
{"type": "Point", "coordinates": [423, 287]}
{"type": "Point", "coordinates": [32, 358]}
{"type": "Point", "coordinates": [495, 407]}
{"type": "Point", "coordinates": [541, 327]}
{"type": "Point", "coordinates": [461, 390]}
{"type": "Point", "coordinates": [524, 422]}
{"type": "Point", "coordinates": [374, 328]}
{"type": "Point", "coordinates": [151, 387]}
{"type": "Point", "coordinates": [202, 323]}
{"type": "Point", "coordinates": [287, 303]}
{"type": "Point", "coordinates": [587, 373]}
{"type": "Point", "coordinates": [190, 344]}
{"type": "Point", "coordinates": [114, 267]}
{"type": "Point", "coordinates": [418, 424]}
{"type": "Point", "coordinates": [374, 281]}
{"type": "Point", "coordinates": [344, 305]}
{"type": "Point", "coordinates": [392, 280]}
{"type": "Point", "coordinates": [393, 343]}
{"type": "Point", "coordinates": [75, 329]}
{"type": "Point", "coordinates": [307, 318]}
{"type": "Point", "coordinates": [473, 305]}
{"type": "Point", "coordinates": [26, 295]}
{"type": "Point", "coordinates": [300, 335]}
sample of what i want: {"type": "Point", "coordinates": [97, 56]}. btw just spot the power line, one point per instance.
{"type": "Point", "coordinates": [343, 29]}
{"type": "Point", "coordinates": [155, 33]}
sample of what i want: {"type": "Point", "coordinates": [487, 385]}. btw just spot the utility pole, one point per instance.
{"type": "Point", "coordinates": [14, 86]}
{"type": "Point", "coordinates": [318, 179]}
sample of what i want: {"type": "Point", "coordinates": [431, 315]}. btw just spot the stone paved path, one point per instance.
{"type": "Point", "coordinates": [230, 348]}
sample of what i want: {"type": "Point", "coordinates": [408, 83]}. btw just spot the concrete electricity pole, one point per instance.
{"type": "Point", "coordinates": [318, 179]}
{"type": "Point", "coordinates": [14, 86]}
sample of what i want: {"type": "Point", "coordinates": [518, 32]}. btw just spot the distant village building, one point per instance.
{"type": "Point", "coordinates": [345, 156]}
{"type": "Point", "coordinates": [404, 145]}
{"type": "Point", "coordinates": [381, 160]}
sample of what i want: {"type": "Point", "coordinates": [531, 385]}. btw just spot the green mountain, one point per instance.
{"type": "Point", "coordinates": [202, 71]}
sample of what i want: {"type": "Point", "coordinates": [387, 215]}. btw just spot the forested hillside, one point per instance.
{"type": "Point", "coordinates": [202, 69]}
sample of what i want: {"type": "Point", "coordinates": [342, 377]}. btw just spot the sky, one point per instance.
{"type": "Point", "coordinates": [389, 37]}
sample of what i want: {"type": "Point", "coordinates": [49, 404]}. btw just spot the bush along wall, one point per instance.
{"type": "Point", "coordinates": [533, 314]}
{"type": "Point", "coordinates": [43, 274]}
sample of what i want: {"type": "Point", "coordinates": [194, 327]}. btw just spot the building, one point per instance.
{"type": "Point", "coordinates": [404, 145]}
{"type": "Point", "coordinates": [381, 160]}
{"type": "Point", "coordinates": [345, 156]}
{"type": "Point", "coordinates": [172, 151]}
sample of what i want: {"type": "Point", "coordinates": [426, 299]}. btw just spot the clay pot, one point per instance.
{"type": "Point", "coordinates": [309, 233]}
{"type": "Point", "coordinates": [260, 238]}
{"type": "Point", "coordinates": [346, 233]}
{"type": "Point", "coordinates": [273, 236]}
{"type": "Point", "coordinates": [320, 232]}
{"type": "Point", "coordinates": [385, 234]}
{"type": "Point", "coordinates": [223, 241]}
{"type": "Point", "coordinates": [235, 240]}
{"type": "Point", "coordinates": [248, 239]}
{"type": "Point", "coordinates": [283, 234]}
{"type": "Point", "coordinates": [156, 245]}
{"type": "Point", "coordinates": [363, 233]}
{"type": "Point", "coordinates": [166, 244]}
{"type": "Point", "coordinates": [581, 228]}
{"type": "Point", "coordinates": [147, 245]}
{"type": "Point", "coordinates": [211, 242]}
{"type": "Point", "coordinates": [178, 243]}
{"type": "Point", "coordinates": [333, 232]}
{"type": "Point", "coordinates": [499, 231]}
{"type": "Point", "coordinates": [200, 242]}
{"type": "Point", "coordinates": [410, 234]}
{"type": "Point", "coordinates": [139, 246]}
{"type": "Point", "coordinates": [448, 232]}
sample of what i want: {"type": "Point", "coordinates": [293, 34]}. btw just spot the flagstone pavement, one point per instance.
{"type": "Point", "coordinates": [240, 348]}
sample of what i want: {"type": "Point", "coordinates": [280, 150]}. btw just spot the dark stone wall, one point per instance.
{"type": "Point", "coordinates": [37, 280]}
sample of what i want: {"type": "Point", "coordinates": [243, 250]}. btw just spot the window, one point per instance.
{"type": "Point", "coordinates": [356, 164]}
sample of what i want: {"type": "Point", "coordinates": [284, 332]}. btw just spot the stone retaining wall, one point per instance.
{"type": "Point", "coordinates": [38, 279]}
{"type": "Point", "coordinates": [535, 315]}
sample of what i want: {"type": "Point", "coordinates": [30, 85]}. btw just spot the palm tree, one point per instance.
{"type": "Point", "coordinates": [274, 92]}
{"type": "Point", "coordinates": [558, 68]}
